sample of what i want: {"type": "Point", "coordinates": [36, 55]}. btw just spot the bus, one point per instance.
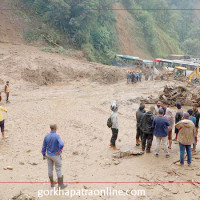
{"type": "Point", "coordinates": [131, 61]}
{"type": "Point", "coordinates": [169, 65]}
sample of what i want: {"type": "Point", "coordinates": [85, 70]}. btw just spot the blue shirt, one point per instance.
{"type": "Point", "coordinates": [160, 126]}
{"type": "Point", "coordinates": [193, 119]}
{"type": "Point", "coordinates": [52, 144]}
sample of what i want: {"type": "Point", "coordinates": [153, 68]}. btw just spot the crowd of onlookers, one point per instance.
{"type": "Point", "coordinates": [158, 122]}
{"type": "Point", "coordinates": [136, 76]}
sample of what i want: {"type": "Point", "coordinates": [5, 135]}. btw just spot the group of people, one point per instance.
{"type": "Point", "coordinates": [159, 122]}
{"type": "Point", "coordinates": [136, 76]}
{"type": "Point", "coordinates": [2, 121]}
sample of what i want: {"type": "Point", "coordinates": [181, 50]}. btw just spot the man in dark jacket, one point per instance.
{"type": "Point", "coordinates": [139, 114]}
{"type": "Point", "coordinates": [178, 117]}
{"type": "Point", "coordinates": [160, 130]}
{"type": "Point", "coordinates": [196, 114]}
{"type": "Point", "coordinates": [146, 127]}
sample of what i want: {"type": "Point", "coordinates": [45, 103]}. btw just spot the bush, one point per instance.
{"type": "Point", "coordinates": [31, 35]}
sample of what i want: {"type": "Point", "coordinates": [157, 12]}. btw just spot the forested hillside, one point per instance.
{"type": "Point", "coordinates": [97, 33]}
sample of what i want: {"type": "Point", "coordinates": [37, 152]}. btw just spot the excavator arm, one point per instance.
{"type": "Point", "coordinates": [196, 72]}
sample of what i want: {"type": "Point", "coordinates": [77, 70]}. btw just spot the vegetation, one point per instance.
{"type": "Point", "coordinates": [180, 28]}
{"type": "Point", "coordinates": [94, 32]}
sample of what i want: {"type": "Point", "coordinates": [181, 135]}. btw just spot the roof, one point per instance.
{"type": "Point", "coordinates": [181, 68]}
{"type": "Point", "coordinates": [134, 58]}
{"type": "Point", "coordinates": [181, 62]}
{"type": "Point", "coordinates": [147, 61]}
{"type": "Point", "coordinates": [128, 57]}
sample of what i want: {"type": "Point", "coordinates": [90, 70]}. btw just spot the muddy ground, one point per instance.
{"type": "Point", "coordinates": [80, 105]}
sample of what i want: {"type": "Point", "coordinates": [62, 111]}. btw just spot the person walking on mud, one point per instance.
{"type": "Point", "coordinates": [2, 121]}
{"type": "Point", "coordinates": [115, 125]}
{"type": "Point", "coordinates": [146, 126]}
{"type": "Point", "coordinates": [7, 91]}
{"type": "Point", "coordinates": [185, 138]}
{"type": "Point", "coordinates": [160, 130]}
{"type": "Point", "coordinates": [139, 115]}
{"type": "Point", "coordinates": [178, 117]}
{"type": "Point", "coordinates": [53, 146]}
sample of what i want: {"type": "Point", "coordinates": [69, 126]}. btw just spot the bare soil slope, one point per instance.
{"type": "Point", "coordinates": [11, 27]}
{"type": "Point", "coordinates": [130, 34]}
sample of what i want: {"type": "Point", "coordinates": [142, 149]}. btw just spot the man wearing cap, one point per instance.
{"type": "Point", "coordinates": [185, 137]}
{"type": "Point", "coordinates": [53, 145]}
{"type": "Point", "coordinates": [160, 130]}
{"type": "Point", "coordinates": [115, 125]}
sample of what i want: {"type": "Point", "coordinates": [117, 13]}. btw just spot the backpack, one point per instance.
{"type": "Point", "coordinates": [109, 122]}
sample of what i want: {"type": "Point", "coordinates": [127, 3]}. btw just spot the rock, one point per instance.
{"type": "Point", "coordinates": [174, 190]}
{"type": "Point", "coordinates": [32, 163]}
{"type": "Point", "coordinates": [85, 187]}
{"type": "Point", "coordinates": [116, 162]}
{"type": "Point", "coordinates": [126, 153]}
{"type": "Point", "coordinates": [10, 168]}
{"type": "Point", "coordinates": [28, 151]}
{"type": "Point", "coordinates": [21, 163]}
{"type": "Point", "coordinates": [198, 174]}
{"type": "Point", "coordinates": [187, 190]}
{"type": "Point", "coordinates": [75, 153]}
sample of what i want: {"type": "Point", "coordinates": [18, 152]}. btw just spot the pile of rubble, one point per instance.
{"type": "Point", "coordinates": [173, 94]}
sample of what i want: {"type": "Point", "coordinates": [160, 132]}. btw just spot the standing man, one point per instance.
{"type": "Point", "coordinates": [115, 125]}
{"type": "Point", "coordinates": [128, 76]}
{"type": "Point", "coordinates": [169, 115]}
{"type": "Point", "coordinates": [178, 117]}
{"type": "Point", "coordinates": [164, 106]}
{"type": "Point", "coordinates": [196, 114]}
{"type": "Point", "coordinates": [53, 145]}
{"type": "Point", "coordinates": [157, 107]}
{"type": "Point", "coordinates": [185, 138]}
{"type": "Point", "coordinates": [146, 126]}
{"type": "Point", "coordinates": [2, 121]}
{"type": "Point", "coordinates": [7, 91]}
{"type": "Point", "coordinates": [140, 76]}
{"type": "Point", "coordinates": [160, 130]}
{"type": "Point", "coordinates": [132, 77]}
{"type": "Point", "coordinates": [137, 76]}
{"type": "Point", "coordinates": [139, 114]}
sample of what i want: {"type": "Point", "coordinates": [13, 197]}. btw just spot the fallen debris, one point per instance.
{"type": "Point", "coordinates": [122, 154]}
{"type": "Point", "coordinates": [9, 168]}
{"type": "Point", "coordinates": [22, 196]}
{"type": "Point", "coordinates": [173, 94]}
{"type": "Point", "coordinates": [32, 163]}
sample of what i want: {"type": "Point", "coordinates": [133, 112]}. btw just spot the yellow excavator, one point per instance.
{"type": "Point", "coordinates": [180, 74]}
{"type": "Point", "coordinates": [194, 74]}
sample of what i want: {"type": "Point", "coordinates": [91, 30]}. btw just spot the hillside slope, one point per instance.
{"type": "Point", "coordinates": [11, 27]}
{"type": "Point", "coordinates": [131, 39]}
